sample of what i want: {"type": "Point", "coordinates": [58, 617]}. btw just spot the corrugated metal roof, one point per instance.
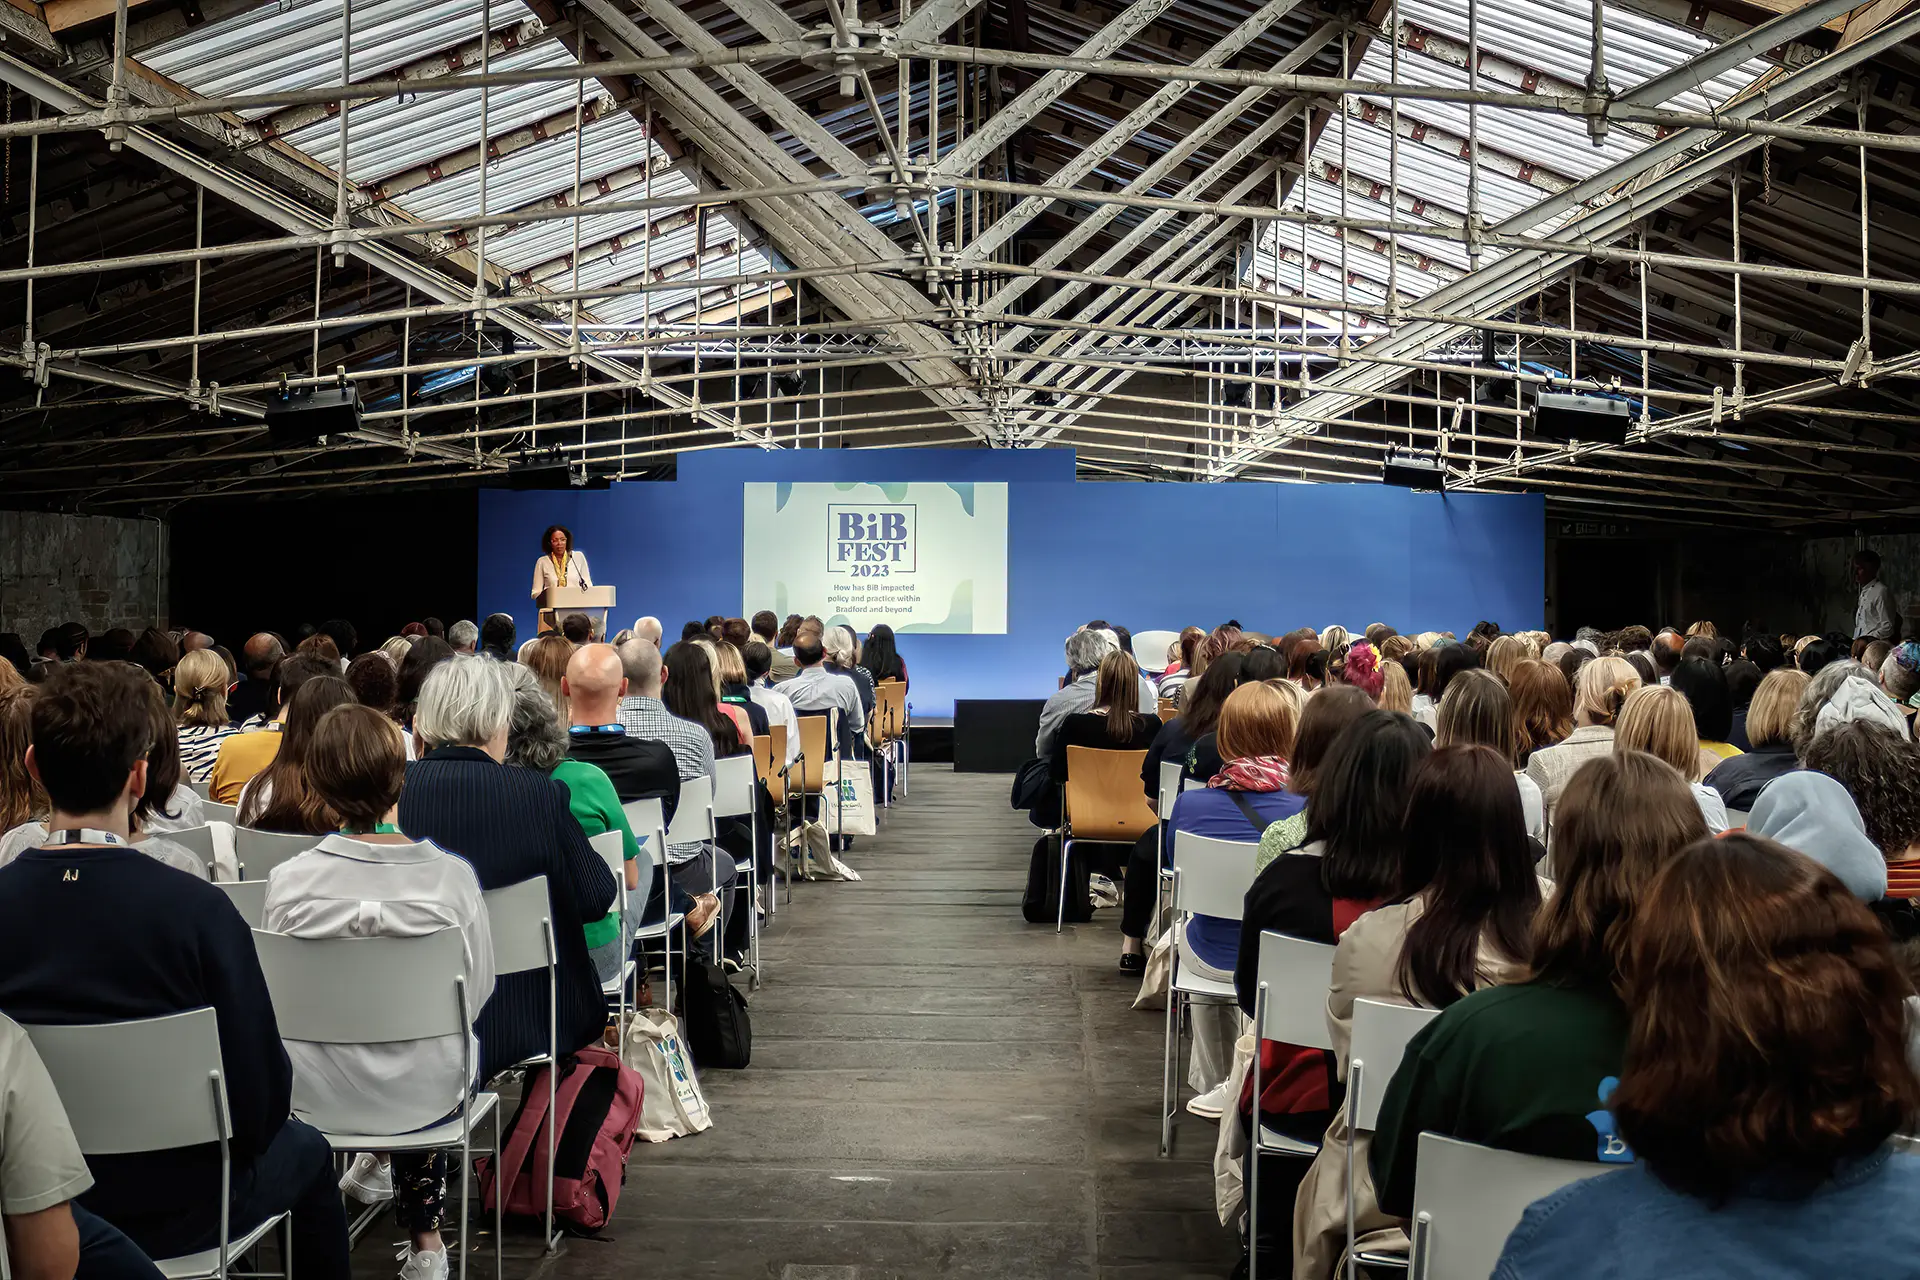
{"type": "Point", "coordinates": [1549, 36]}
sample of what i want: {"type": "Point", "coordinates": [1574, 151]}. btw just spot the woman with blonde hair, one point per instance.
{"type": "Point", "coordinates": [1601, 689]}
{"type": "Point", "coordinates": [1657, 720]}
{"type": "Point", "coordinates": [1504, 654]}
{"type": "Point", "coordinates": [1478, 711]}
{"type": "Point", "coordinates": [396, 648]}
{"type": "Point", "coordinates": [1396, 691]}
{"type": "Point", "coordinates": [200, 711]}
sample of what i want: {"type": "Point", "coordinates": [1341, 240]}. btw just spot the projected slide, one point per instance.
{"type": "Point", "coordinates": [924, 557]}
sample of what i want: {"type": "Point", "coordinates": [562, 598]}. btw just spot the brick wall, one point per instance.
{"type": "Point", "coordinates": [103, 571]}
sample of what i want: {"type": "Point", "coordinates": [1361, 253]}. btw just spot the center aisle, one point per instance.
{"type": "Point", "coordinates": [937, 1088]}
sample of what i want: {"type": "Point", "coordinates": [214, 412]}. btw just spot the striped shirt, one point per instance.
{"type": "Point", "coordinates": [1903, 878]}
{"type": "Point", "coordinates": [200, 747]}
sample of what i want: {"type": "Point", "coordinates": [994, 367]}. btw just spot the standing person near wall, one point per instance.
{"type": "Point", "coordinates": [1875, 616]}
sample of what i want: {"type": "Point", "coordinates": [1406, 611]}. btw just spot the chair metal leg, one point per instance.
{"type": "Point", "coordinates": [466, 1189]}
{"type": "Point", "coordinates": [1167, 1054]}
{"type": "Point", "coordinates": [1066, 856]}
{"type": "Point", "coordinates": [499, 1199]}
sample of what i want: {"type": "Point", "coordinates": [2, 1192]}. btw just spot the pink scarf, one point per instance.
{"type": "Point", "coordinates": [1252, 773]}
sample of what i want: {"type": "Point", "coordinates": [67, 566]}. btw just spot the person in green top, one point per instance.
{"type": "Point", "coordinates": [1529, 1067]}
{"type": "Point", "coordinates": [536, 741]}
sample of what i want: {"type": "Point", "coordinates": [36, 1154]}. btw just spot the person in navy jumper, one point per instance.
{"type": "Point", "coordinates": [92, 930]}
{"type": "Point", "coordinates": [511, 824]}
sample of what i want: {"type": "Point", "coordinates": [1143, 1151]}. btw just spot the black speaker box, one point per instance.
{"type": "Point", "coordinates": [1414, 469]}
{"type": "Point", "coordinates": [1588, 418]}
{"type": "Point", "coordinates": [302, 415]}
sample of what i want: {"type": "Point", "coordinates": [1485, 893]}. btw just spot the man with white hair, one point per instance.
{"type": "Point", "coordinates": [463, 636]}
{"type": "Point", "coordinates": [648, 628]}
{"type": "Point", "coordinates": [1085, 649]}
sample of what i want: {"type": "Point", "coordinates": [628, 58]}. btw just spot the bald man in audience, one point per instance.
{"type": "Point", "coordinates": [251, 701]}
{"type": "Point", "coordinates": [1667, 648]}
{"type": "Point", "coordinates": [648, 628]}
{"type": "Point", "coordinates": [638, 767]}
{"type": "Point", "coordinates": [195, 640]}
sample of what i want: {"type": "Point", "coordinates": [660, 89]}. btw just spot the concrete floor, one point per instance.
{"type": "Point", "coordinates": [937, 1088]}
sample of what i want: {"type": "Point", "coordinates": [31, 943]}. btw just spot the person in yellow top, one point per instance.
{"type": "Point", "coordinates": [242, 755]}
{"type": "Point", "coordinates": [559, 565]}
{"type": "Point", "coordinates": [1711, 701]}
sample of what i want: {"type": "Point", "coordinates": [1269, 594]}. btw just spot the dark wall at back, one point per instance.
{"type": "Point", "coordinates": [378, 562]}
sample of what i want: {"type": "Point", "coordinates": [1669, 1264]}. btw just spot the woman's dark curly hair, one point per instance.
{"type": "Point", "coordinates": [546, 539]}
{"type": "Point", "coordinates": [1881, 771]}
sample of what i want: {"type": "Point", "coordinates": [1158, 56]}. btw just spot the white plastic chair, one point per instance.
{"type": "Point", "coordinates": [735, 795]}
{"type": "Point", "coordinates": [1379, 1040]}
{"type": "Point", "coordinates": [198, 841]}
{"type": "Point", "coordinates": [648, 822]}
{"type": "Point", "coordinates": [249, 898]}
{"type": "Point", "coordinates": [1210, 878]}
{"type": "Point", "coordinates": [1467, 1200]}
{"type": "Point", "coordinates": [1290, 1006]}
{"type": "Point", "coordinates": [181, 1101]}
{"type": "Point", "coordinates": [201, 789]}
{"type": "Point", "coordinates": [613, 851]}
{"type": "Point", "coordinates": [213, 811]}
{"type": "Point", "coordinates": [378, 991]}
{"type": "Point", "coordinates": [521, 917]}
{"type": "Point", "coordinates": [693, 824]}
{"type": "Point", "coordinates": [259, 852]}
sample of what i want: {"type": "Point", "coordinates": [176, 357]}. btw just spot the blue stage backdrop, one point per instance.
{"type": "Point", "coordinates": [1275, 556]}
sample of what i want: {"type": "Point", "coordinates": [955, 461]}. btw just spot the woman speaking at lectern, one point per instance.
{"type": "Point", "coordinates": [559, 565]}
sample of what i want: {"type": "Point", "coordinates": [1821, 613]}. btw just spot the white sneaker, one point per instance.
{"type": "Point", "coordinates": [368, 1180]}
{"type": "Point", "coordinates": [425, 1264]}
{"type": "Point", "coordinates": [1212, 1104]}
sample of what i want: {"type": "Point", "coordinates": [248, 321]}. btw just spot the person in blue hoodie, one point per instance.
{"type": "Point", "coordinates": [1765, 1074]}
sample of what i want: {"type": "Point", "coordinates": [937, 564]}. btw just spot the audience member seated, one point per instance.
{"type": "Point", "coordinates": [375, 681]}
{"type": "Point", "coordinates": [367, 880]}
{"type": "Point", "coordinates": [1769, 752]}
{"type": "Point", "coordinates": [1085, 649]}
{"type": "Point", "coordinates": [1527, 1067]}
{"type": "Point", "coordinates": [1602, 688]}
{"type": "Point", "coordinates": [880, 656]}
{"type": "Point", "coordinates": [757, 659]}
{"type": "Point", "coordinates": [1461, 920]}
{"type": "Point", "coordinates": [463, 636]}
{"type": "Point", "coordinates": [690, 689]}
{"type": "Point", "coordinates": [252, 701]}
{"type": "Point", "coordinates": [1239, 803]}
{"type": "Point", "coordinates": [1323, 719]}
{"type": "Point", "coordinates": [732, 670]}
{"type": "Point", "coordinates": [93, 931]}
{"type": "Point", "coordinates": [1349, 865]}
{"type": "Point", "coordinates": [576, 629]}
{"type": "Point", "coordinates": [1743, 957]}
{"type": "Point", "coordinates": [814, 689]}
{"type": "Point", "coordinates": [547, 657]}
{"type": "Point", "coordinates": [154, 649]}
{"type": "Point", "coordinates": [200, 712]}
{"type": "Point", "coordinates": [1815, 815]}
{"type": "Point", "coordinates": [48, 1235]}
{"type": "Point", "coordinates": [426, 654]}
{"type": "Point", "coordinates": [511, 825]}
{"type": "Point", "coordinates": [1542, 708]}
{"type": "Point", "coordinates": [496, 637]}
{"type": "Point", "coordinates": [1199, 715]}
{"type": "Point", "coordinates": [634, 766]}
{"type": "Point", "coordinates": [279, 797]}
{"type": "Point", "coordinates": [245, 754]}
{"type": "Point", "coordinates": [1656, 719]}
{"type": "Point", "coordinates": [1704, 685]}
{"type": "Point", "coordinates": [1111, 723]}
{"type": "Point", "coordinates": [1477, 711]}
{"type": "Point", "coordinates": [766, 629]}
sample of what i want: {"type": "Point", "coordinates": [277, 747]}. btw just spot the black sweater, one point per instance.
{"type": "Point", "coordinates": [110, 935]}
{"type": "Point", "coordinates": [512, 825]}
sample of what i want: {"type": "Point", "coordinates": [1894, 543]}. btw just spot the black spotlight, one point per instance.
{"type": "Point", "coordinates": [1414, 469]}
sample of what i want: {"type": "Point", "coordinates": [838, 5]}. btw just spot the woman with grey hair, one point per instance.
{"type": "Point", "coordinates": [843, 659]}
{"type": "Point", "coordinates": [511, 825]}
{"type": "Point", "coordinates": [1840, 692]}
{"type": "Point", "coordinates": [536, 741]}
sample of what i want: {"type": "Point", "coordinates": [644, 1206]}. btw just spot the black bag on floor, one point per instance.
{"type": "Point", "coordinates": [718, 1031]}
{"type": "Point", "coordinates": [1041, 902]}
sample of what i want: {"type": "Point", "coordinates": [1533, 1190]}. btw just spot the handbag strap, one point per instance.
{"type": "Point", "coordinates": [1240, 801]}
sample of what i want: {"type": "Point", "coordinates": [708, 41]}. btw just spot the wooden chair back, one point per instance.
{"type": "Point", "coordinates": [1104, 798]}
{"type": "Point", "coordinates": [890, 710]}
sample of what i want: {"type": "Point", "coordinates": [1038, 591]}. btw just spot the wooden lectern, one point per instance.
{"type": "Point", "coordinates": [558, 601]}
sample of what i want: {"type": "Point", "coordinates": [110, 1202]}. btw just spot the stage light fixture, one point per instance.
{"type": "Point", "coordinates": [1414, 469]}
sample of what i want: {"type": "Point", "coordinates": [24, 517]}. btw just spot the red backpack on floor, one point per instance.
{"type": "Point", "coordinates": [598, 1101]}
